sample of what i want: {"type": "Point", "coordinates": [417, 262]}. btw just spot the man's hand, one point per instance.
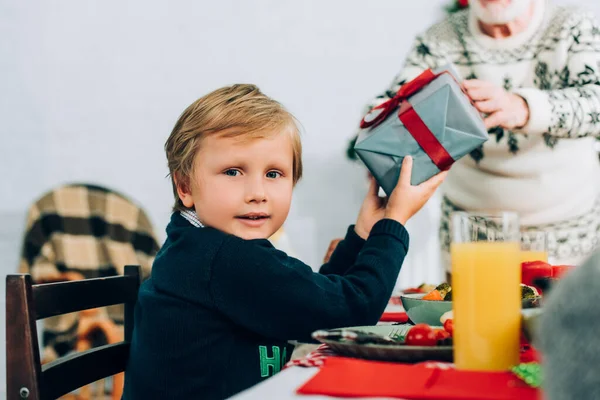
{"type": "Point", "coordinates": [504, 109]}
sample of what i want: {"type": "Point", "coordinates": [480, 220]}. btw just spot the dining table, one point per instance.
{"type": "Point", "coordinates": [305, 378]}
{"type": "Point", "coordinates": [283, 385]}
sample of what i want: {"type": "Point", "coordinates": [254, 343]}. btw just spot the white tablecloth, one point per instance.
{"type": "Point", "coordinates": [283, 385]}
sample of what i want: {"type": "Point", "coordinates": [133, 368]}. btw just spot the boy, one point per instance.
{"type": "Point", "coordinates": [217, 313]}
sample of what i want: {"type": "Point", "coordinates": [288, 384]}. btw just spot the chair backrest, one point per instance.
{"type": "Point", "coordinates": [26, 303]}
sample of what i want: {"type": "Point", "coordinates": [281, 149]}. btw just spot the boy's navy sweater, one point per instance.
{"type": "Point", "coordinates": [217, 313]}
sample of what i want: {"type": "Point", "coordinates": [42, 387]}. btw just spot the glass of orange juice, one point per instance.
{"type": "Point", "coordinates": [486, 292]}
{"type": "Point", "coordinates": [534, 246]}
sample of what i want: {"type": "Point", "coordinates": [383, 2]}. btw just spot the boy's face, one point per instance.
{"type": "Point", "coordinates": [242, 186]}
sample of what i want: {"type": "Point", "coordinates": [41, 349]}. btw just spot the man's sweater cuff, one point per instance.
{"type": "Point", "coordinates": [391, 227]}
{"type": "Point", "coordinates": [540, 111]}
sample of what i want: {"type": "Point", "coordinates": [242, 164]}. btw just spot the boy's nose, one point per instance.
{"type": "Point", "coordinates": [255, 192]}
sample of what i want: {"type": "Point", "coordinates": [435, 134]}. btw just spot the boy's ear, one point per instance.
{"type": "Point", "coordinates": [184, 190]}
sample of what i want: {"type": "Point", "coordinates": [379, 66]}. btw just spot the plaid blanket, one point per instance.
{"type": "Point", "coordinates": [83, 231]}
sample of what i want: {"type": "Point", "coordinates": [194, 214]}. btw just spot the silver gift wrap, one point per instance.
{"type": "Point", "coordinates": [448, 114]}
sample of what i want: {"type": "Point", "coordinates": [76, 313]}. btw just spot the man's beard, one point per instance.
{"type": "Point", "coordinates": [497, 15]}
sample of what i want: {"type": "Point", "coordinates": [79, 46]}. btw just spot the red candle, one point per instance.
{"type": "Point", "coordinates": [559, 270]}
{"type": "Point", "coordinates": [532, 270]}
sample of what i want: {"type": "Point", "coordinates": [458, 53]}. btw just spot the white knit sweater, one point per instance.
{"type": "Point", "coordinates": [548, 171]}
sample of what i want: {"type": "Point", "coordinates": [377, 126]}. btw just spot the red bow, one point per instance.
{"type": "Point", "coordinates": [411, 120]}
{"type": "Point", "coordinates": [403, 93]}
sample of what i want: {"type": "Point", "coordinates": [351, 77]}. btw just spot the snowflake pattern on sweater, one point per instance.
{"type": "Point", "coordinates": [547, 171]}
{"type": "Point", "coordinates": [557, 71]}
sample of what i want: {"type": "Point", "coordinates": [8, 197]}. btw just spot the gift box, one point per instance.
{"type": "Point", "coordinates": [430, 118]}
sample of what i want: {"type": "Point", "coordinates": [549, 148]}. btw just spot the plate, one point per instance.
{"type": "Point", "coordinates": [429, 311]}
{"type": "Point", "coordinates": [529, 321]}
{"type": "Point", "coordinates": [388, 352]}
{"type": "Point", "coordinates": [424, 311]}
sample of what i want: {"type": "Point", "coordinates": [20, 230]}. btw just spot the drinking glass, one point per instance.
{"type": "Point", "coordinates": [486, 292]}
{"type": "Point", "coordinates": [534, 246]}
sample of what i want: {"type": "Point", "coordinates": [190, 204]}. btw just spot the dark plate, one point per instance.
{"type": "Point", "coordinates": [388, 352]}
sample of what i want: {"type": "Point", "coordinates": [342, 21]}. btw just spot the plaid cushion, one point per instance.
{"type": "Point", "coordinates": [85, 231]}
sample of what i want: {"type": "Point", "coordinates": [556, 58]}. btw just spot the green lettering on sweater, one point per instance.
{"type": "Point", "coordinates": [274, 362]}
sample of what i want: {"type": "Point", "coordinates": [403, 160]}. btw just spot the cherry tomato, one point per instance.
{"type": "Point", "coordinates": [531, 270]}
{"type": "Point", "coordinates": [449, 326]}
{"type": "Point", "coordinates": [441, 334]}
{"type": "Point", "coordinates": [421, 335]}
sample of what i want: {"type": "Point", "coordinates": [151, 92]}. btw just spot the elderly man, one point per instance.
{"type": "Point", "coordinates": [533, 70]}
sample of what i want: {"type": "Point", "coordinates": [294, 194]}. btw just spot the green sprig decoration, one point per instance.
{"type": "Point", "coordinates": [350, 153]}
{"type": "Point", "coordinates": [457, 5]}
{"type": "Point", "coordinates": [530, 373]}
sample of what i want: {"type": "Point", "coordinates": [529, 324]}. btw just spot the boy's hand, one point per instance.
{"type": "Point", "coordinates": [371, 211]}
{"type": "Point", "coordinates": [406, 199]}
{"type": "Point", "coordinates": [404, 202]}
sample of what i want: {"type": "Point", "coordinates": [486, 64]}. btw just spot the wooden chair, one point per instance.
{"type": "Point", "coordinates": [26, 303]}
{"type": "Point", "coordinates": [91, 323]}
{"type": "Point", "coordinates": [84, 230]}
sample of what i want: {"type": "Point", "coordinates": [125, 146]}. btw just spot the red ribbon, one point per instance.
{"type": "Point", "coordinates": [411, 120]}
{"type": "Point", "coordinates": [407, 90]}
{"type": "Point", "coordinates": [424, 137]}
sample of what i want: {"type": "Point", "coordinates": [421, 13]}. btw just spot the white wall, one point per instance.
{"type": "Point", "coordinates": [90, 90]}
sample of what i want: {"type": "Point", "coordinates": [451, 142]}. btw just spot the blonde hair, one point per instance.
{"type": "Point", "coordinates": [243, 111]}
